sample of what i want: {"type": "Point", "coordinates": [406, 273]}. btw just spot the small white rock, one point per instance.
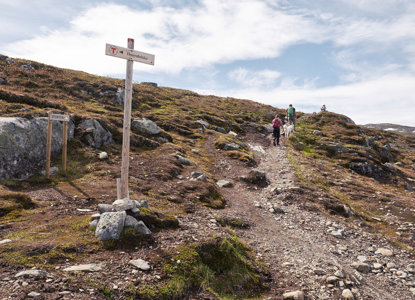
{"type": "Point", "coordinates": [33, 294]}
{"type": "Point", "coordinates": [84, 268]}
{"type": "Point", "coordinates": [377, 266]}
{"type": "Point", "coordinates": [384, 252]}
{"type": "Point", "coordinates": [141, 264]}
{"type": "Point", "coordinates": [2, 242]}
{"type": "Point", "coordinates": [347, 294]}
{"type": "Point", "coordinates": [297, 295]}
{"type": "Point", "coordinates": [31, 273]}
{"type": "Point", "coordinates": [103, 155]}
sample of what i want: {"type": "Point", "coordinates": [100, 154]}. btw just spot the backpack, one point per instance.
{"type": "Point", "coordinates": [291, 111]}
{"type": "Point", "coordinates": [275, 123]}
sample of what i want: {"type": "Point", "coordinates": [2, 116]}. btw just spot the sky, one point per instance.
{"type": "Point", "coordinates": [355, 56]}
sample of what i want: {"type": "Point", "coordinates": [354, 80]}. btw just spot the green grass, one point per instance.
{"type": "Point", "coordinates": [222, 266]}
{"type": "Point", "coordinates": [10, 202]}
{"type": "Point", "coordinates": [42, 245]}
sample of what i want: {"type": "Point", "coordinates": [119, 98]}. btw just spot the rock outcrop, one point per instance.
{"type": "Point", "coordinates": [145, 126]}
{"type": "Point", "coordinates": [23, 145]}
{"type": "Point", "coordinates": [94, 134]}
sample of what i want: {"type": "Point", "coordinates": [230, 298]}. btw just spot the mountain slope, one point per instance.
{"type": "Point", "coordinates": [333, 193]}
{"type": "Point", "coordinates": [393, 128]}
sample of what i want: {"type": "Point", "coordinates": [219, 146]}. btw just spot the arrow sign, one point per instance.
{"type": "Point", "coordinates": [129, 54]}
{"type": "Point", "coordinates": [57, 117]}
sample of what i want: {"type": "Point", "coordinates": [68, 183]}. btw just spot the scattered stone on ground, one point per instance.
{"type": "Point", "coordinates": [231, 147]}
{"type": "Point", "coordinates": [31, 273]}
{"type": "Point", "coordinates": [384, 252]}
{"type": "Point", "coordinates": [103, 155]}
{"type": "Point", "coordinates": [5, 241]}
{"type": "Point", "coordinates": [296, 295]}
{"type": "Point", "coordinates": [183, 160]}
{"type": "Point", "coordinates": [140, 264]}
{"type": "Point", "coordinates": [224, 183]}
{"type": "Point", "coordinates": [33, 295]}
{"type": "Point", "coordinates": [84, 268]}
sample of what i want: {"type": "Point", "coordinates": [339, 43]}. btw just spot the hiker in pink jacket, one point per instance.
{"type": "Point", "coordinates": [276, 124]}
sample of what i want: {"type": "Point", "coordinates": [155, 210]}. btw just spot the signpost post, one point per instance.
{"type": "Point", "coordinates": [65, 120]}
{"type": "Point", "coordinates": [131, 55]}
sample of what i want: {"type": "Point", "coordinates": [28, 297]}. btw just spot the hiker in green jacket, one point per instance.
{"type": "Point", "coordinates": [292, 115]}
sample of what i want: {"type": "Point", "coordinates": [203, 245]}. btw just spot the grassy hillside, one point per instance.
{"type": "Point", "coordinates": [51, 229]}
{"type": "Point", "coordinates": [368, 170]}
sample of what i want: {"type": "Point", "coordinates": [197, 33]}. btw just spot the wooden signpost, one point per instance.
{"type": "Point", "coordinates": [131, 55]}
{"type": "Point", "coordinates": [65, 120]}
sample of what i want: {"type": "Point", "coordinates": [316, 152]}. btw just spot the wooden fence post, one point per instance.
{"type": "Point", "coordinates": [48, 146]}
{"type": "Point", "coordinates": [64, 145]}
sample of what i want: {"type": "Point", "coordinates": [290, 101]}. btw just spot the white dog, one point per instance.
{"type": "Point", "coordinates": [288, 129]}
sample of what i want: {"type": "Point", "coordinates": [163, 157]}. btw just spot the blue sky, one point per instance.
{"type": "Point", "coordinates": [355, 56]}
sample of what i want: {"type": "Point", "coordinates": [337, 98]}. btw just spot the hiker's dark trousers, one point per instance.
{"type": "Point", "coordinates": [276, 134]}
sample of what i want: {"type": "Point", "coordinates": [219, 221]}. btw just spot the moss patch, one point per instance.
{"type": "Point", "coordinates": [222, 266]}
{"type": "Point", "coordinates": [156, 220]}
{"type": "Point", "coordinates": [233, 222]}
{"type": "Point", "coordinates": [14, 201]}
{"type": "Point", "coordinates": [242, 154]}
{"type": "Point", "coordinates": [51, 243]}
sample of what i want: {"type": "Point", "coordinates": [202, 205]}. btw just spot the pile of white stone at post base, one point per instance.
{"type": "Point", "coordinates": [113, 218]}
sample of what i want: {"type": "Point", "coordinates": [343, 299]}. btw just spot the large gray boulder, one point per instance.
{"type": "Point", "coordinates": [145, 126]}
{"type": "Point", "coordinates": [110, 225]}
{"type": "Point", "coordinates": [94, 134]}
{"type": "Point", "coordinates": [23, 145]}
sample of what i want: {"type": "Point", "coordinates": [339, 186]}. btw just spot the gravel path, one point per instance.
{"type": "Point", "coordinates": [307, 250]}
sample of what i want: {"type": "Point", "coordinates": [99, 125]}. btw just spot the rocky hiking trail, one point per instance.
{"type": "Point", "coordinates": [308, 252]}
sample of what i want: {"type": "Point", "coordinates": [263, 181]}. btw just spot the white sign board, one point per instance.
{"type": "Point", "coordinates": [57, 117]}
{"type": "Point", "coordinates": [130, 54]}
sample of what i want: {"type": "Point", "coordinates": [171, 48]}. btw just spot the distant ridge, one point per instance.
{"type": "Point", "coordinates": [393, 128]}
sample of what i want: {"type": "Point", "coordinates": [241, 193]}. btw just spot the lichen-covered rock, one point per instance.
{"type": "Point", "coordinates": [141, 203]}
{"type": "Point", "coordinates": [145, 126]}
{"type": "Point", "coordinates": [23, 145]}
{"type": "Point", "coordinates": [27, 67]}
{"type": "Point", "coordinates": [367, 169]}
{"type": "Point", "coordinates": [183, 160]}
{"type": "Point", "coordinates": [231, 147]}
{"type": "Point", "coordinates": [7, 59]}
{"type": "Point", "coordinates": [224, 183]}
{"type": "Point", "coordinates": [102, 208]}
{"type": "Point", "coordinates": [123, 204]}
{"type": "Point", "coordinates": [94, 134]}
{"type": "Point", "coordinates": [110, 225]}
{"type": "Point", "coordinates": [138, 226]}
{"type": "Point", "coordinates": [203, 123]}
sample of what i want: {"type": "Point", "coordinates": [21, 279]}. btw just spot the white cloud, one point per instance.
{"type": "Point", "coordinates": [375, 5]}
{"type": "Point", "coordinates": [215, 32]}
{"type": "Point", "coordinates": [384, 99]}
{"type": "Point", "coordinates": [254, 78]}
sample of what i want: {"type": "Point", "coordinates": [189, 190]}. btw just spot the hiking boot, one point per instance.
{"type": "Point", "coordinates": [274, 143]}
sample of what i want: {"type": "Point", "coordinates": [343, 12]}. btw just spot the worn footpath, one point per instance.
{"type": "Point", "coordinates": [309, 252]}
